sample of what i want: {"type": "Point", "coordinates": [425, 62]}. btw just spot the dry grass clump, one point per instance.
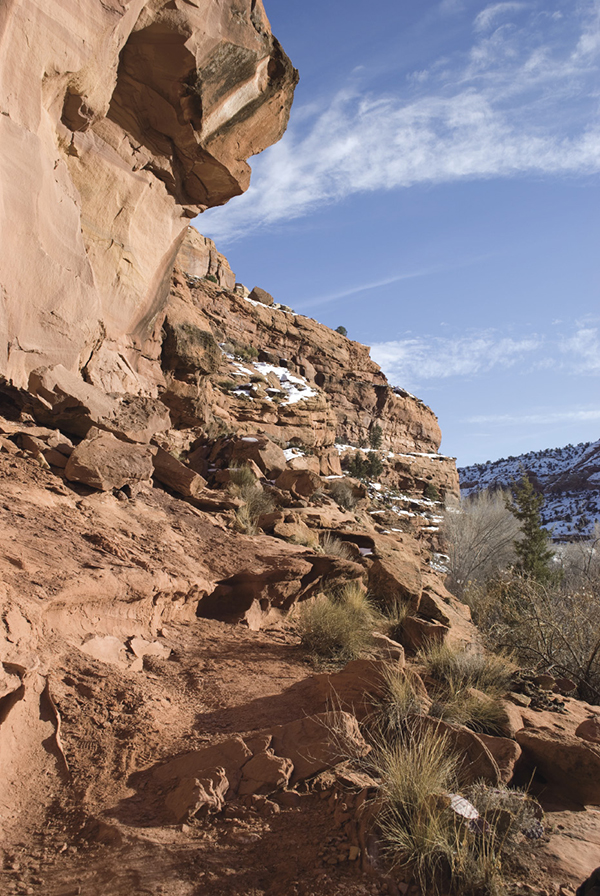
{"type": "Point", "coordinates": [338, 627]}
{"type": "Point", "coordinates": [342, 494]}
{"type": "Point", "coordinates": [395, 615]}
{"type": "Point", "coordinates": [459, 668]}
{"type": "Point", "coordinates": [419, 828]}
{"type": "Point", "coordinates": [468, 684]}
{"type": "Point", "coordinates": [245, 485]}
{"type": "Point", "coordinates": [397, 706]}
{"type": "Point", "coordinates": [335, 547]}
{"type": "Point", "coordinates": [476, 711]}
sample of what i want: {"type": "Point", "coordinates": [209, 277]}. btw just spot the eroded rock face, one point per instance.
{"type": "Point", "coordinates": [120, 121]}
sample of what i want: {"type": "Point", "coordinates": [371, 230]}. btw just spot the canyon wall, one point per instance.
{"type": "Point", "coordinates": [120, 120]}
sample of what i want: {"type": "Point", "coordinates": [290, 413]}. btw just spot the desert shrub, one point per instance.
{"type": "Point", "coordinates": [553, 627]}
{"type": "Point", "coordinates": [479, 713]}
{"type": "Point", "coordinates": [245, 485]}
{"type": "Point", "coordinates": [480, 536]}
{"type": "Point", "coordinates": [367, 468]}
{"type": "Point", "coordinates": [420, 830]}
{"type": "Point", "coordinates": [467, 685]}
{"type": "Point", "coordinates": [245, 352]}
{"type": "Point", "coordinates": [342, 494]}
{"type": "Point", "coordinates": [341, 330]}
{"type": "Point", "coordinates": [335, 547]}
{"type": "Point", "coordinates": [211, 278]}
{"type": "Point", "coordinates": [337, 626]}
{"type": "Point", "coordinates": [431, 492]}
{"type": "Point", "coordinates": [459, 668]}
{"type": "Point", "coordinates": [397, 705]}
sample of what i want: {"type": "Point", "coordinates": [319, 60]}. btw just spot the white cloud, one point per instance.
{"type": "Point", "coordinates": [542, 418]}
{"type": "Point", "coordinates": [491, 14]}
{"type": "Point", "coordinates": [502, 109]}
{"type": "Point", "coordinates": [412, 361]}
{"type": "Point", "coordinates": [584, 349]}
{"type": "Point", "coordinates": [426, 358]}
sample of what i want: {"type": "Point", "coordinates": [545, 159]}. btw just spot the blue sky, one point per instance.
{"type": "Point", "coordinates": [437, 193]}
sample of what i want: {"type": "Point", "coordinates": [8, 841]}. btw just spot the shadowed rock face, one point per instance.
{"type": "Point", "coordinates": [120, 120]}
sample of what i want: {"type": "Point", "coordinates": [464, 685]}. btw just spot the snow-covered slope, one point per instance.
{"type": "Point", "coordinates": [569, 478]}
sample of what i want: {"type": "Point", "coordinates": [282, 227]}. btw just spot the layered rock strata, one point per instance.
{"type": "Point", "coordinates": [120, 122]}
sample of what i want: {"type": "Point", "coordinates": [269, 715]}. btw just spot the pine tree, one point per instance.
{"type": "Point", "coordinates": [532, 549]}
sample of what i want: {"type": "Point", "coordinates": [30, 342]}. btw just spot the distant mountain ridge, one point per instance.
{"type": "Point", "coordinates": [569, 478]}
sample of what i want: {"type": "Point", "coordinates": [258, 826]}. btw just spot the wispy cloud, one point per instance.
{"type": "Point", "coordinates": [490, 15]}
{"type": "Point", "coordinates": [542, 418]}
{"type": "Point", "coordinates": [412, 361]}
{"type": "Point", "coordinates": [518, 101]}
{"type": "Point", "coordinates": [407, 361]}
{"type": "Point", "coordinates": [584, 350]}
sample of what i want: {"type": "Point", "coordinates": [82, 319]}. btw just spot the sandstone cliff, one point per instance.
{"type": "Point", "coordinates": [173, 486]}
{"type": "Point", "coordinates": [120, 122]}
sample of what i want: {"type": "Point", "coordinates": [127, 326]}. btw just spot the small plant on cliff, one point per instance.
{"type": "Point", "coordinates": [257, 502]}
{"type": "Point", "coordinates": [211, 278]}
{"type": "Point", "coordinates": [342, 494]}
{"type": "Point", "coordinates": [342, 331]}
{"type": "Point", "coordinates": [376, 436]}
{"type": "Point", "coordinates": [431, 492]}
{"type": "Point", "coordinates": [367, 468]}
{"type": "Point", "coordinates": [337, 627]}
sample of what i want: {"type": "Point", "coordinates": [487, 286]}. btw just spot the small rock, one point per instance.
{"type": "Point", "coordinates": [519, 699]}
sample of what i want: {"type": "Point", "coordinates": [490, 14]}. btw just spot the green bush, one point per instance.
{"type": "Point", "coordinates": [211, 278]}
{"type": "Point", "coordinates": [342, 331]}
{"type": "Point", "coordinates": [375, 436]}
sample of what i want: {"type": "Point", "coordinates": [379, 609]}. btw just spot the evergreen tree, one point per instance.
{"type": "Point", "coordinates": [532, 549]}
{"type": "Point", "coordinates": [375, 436]}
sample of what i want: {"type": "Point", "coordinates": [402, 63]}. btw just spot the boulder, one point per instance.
{"type": "Point", "coordinates": [268, 457]}
{"type": "Point", "coordinates": [395, 578]}
{"type": "Point", "coordinates": [318, 742]}
{"type": "Point", "coordinates": [301, 483]}
{"type": "Point", "coordinates": [104, 462]}
{"type": "Point", "coordinates": [569, 764]}
{"type": "Point", "coordinates": [589, 730]}
{"type": "Point", "coordinates": [262, 296]}
{"type": "Point", "coordinates": [231, 755]}
{"type": "Point", "coordinates": [62, 399]}
{"type": "Point", "coordinates": [174, 474]}
{"type": "Point", "coordinates": [265, 773]}
{"type": "Point", "coordinates": [197, 797]}
{"type": "Point", "coordinates": [476, 762]}
{"type": "Point", "coordinates": [505, 752]}
{"type": "Point", "coordinates": [418, 633]}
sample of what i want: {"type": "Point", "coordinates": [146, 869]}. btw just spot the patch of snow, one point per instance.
{"type": "Point", "coordinates": [366, 552]}
{"type": "Point", "coordinates": [295, 387]}
{"type": "Point", "coordinates": [375, 512]}
{"type": "Point", "coordinates": [249, 439]}
{"type": "Point", "coordinates": [431, 528]}
{"type": "Point", "coordinates": [289, 453]}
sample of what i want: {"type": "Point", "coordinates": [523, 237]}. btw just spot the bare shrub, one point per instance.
{"type": "Point", "coordinates": [245, 485]}
{"type": "Point", "coordinates": [480, 535]}
{"type": "Point", "coordinates": [338, 626]}
{"type": "Point", "coordinates": [342, 494]}
{"type": "Point", "coordinates": [552, 627]}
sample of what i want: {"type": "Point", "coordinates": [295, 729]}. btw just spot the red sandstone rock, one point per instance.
{"type": "Point", "coordinates": [120, 123]}
{"type": "Point", "coordinates": [104, 462]}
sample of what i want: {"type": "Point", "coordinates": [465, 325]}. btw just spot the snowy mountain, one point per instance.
{"type": "Point", "coordinates": [568, 477]}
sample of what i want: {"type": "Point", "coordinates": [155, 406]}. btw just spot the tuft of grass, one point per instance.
{"type": "Point", "coordinates": [419, 773]}
{"type": "Point", "coordinates": [459, 668]}
{"type": "Point", "coordinates": [245, 485]}
{"type": "Point", "coordinates": [338, 627]}
{"type": "Point", "coordinates": [335, 547]}
{"type": "Point", "coordinates": [397, 707]}
{"type": "Point", "coordinates": [395, 614]}
{"type": "Point", "coordinates": [480, 713]}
